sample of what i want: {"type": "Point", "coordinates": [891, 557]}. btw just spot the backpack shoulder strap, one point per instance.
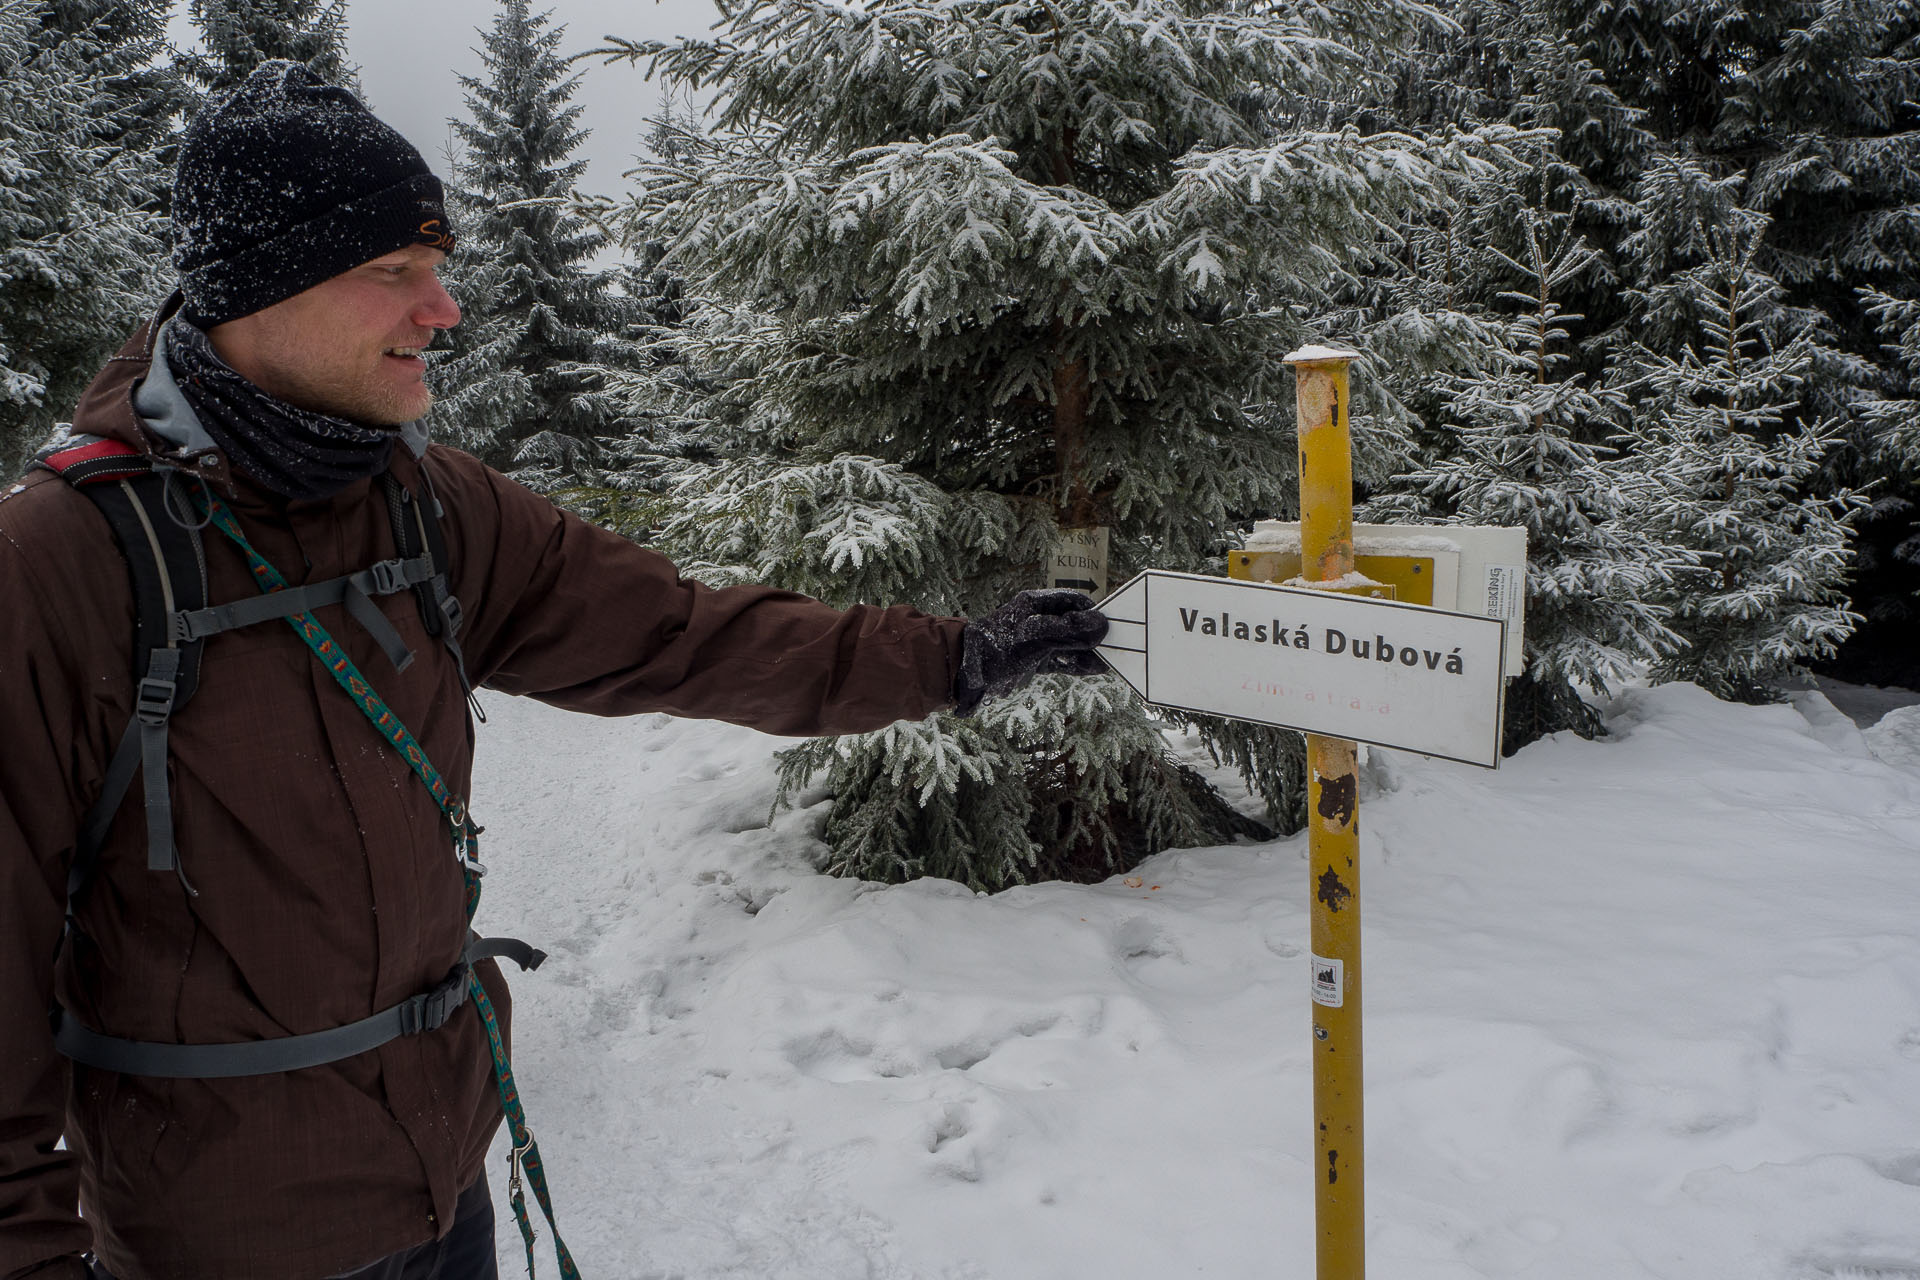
{"type": "Point", "coordinates": [416, 529]}
{"type": "Point", "coordinates": [155, 531]}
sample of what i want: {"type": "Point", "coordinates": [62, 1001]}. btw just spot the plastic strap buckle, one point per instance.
{"type": "Point", "coordinates": [155, 703]}
{"type": "Point", "coordinates": [430, 1012]}
{"type": "Point", "coordinates": [388, 576]}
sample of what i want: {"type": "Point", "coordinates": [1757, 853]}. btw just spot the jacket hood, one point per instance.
{"type": "Point", "coordinates": [106, 408]}
{"type": "Point", "coordinates": [110, 407]}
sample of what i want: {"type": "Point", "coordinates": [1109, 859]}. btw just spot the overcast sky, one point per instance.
{"type": "Point", "coordinates": [411, 57]}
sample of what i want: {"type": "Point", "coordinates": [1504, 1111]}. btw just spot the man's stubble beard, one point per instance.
{"type": "Point", "coordinates": [370, 406]}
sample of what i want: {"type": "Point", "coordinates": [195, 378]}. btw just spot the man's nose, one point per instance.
{"type": "Point", "coordinates": [436, 308]}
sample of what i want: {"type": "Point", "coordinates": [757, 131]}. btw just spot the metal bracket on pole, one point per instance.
{"type": "Point", "coordinates": [1333, 840]}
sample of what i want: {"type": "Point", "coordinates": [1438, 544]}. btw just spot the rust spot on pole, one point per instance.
{"type": "Point", "coordinates": [1333, 1167]}
{"type": "Point", "coordinates": [1333, 890]}
{"type": "Point", "coordinates": [1338, 798]}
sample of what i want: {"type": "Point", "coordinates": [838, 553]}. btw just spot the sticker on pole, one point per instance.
{"type": "Point", "coordinates": [1378, 671]}
{"type": "Point", "coordinates": [1329, 982]}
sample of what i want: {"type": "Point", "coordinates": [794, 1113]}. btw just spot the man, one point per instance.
{"type": "Point", "coordinates": [306, 882]}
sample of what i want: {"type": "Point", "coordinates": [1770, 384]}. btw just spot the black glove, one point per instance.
{"type": "Point", "coordinates": [1035, 632]}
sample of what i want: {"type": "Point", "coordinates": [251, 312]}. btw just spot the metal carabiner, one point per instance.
{"type": "Point", "coordinates": [468, 863]}
{"type": "Point", "coordinates": [514, 1161]}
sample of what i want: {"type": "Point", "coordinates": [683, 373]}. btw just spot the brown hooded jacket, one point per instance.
{"type": "Point", "coordinates": [327, 889]}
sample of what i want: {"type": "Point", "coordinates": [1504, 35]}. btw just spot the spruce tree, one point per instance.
{"type": "Point", "coordinates": [143, 98]}
{"type": "Point", "coordinates": [1812, 107]}
{"type": "Point", "coordinates": [1895, 419]}
{"type": "Point", "coordinates": [1517, 62]}
{"type": "Point", "coordinates": [969, 276]}
{"type": "Point", "coordinates": [1814, 103]}
{"type": "Point", "coordinates": [1521, 455]}
{"type": "Point", "coordinates": [1720, 474]}
{"type": "Point", "coordinates": [1522, 435]}
{"type": "Point", "coordinates": [236, 36]}
{"type": "Point", "coordinates": [1887, 547]}
{"type": "Point", "coordinates": [659, 297]}
{"type": "Point", "coordinates": [77, 238]}
{"type": "Point", "coordinates": [523, 387]}
{"type": "Point", "coordinates": [624, 486]}
{"type": "Point", "coordinates": [1817, 106]}
{"type": "Point", "coordinates": [1725, 437]}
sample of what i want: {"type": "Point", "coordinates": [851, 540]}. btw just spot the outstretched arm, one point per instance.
{"type": "Point", "coordinates": [584, 619]}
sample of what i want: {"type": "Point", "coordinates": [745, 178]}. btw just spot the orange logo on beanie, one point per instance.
{"type": "Point", "coordinates": [433, 236]}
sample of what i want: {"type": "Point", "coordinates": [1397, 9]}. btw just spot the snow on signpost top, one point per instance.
{"type": "Point", "coordinates": [1311, 354]}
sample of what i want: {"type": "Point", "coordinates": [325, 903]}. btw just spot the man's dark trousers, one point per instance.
{"type": "Point", "coordinates": [464, 1253]}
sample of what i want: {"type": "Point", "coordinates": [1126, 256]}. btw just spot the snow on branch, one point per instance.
{"type": "Point", "coordinates": [908, 227]}
{"type": "Point", "coordinates": [1286, 215]}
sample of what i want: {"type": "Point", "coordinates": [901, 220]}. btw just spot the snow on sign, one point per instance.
{"type": "Point", "coordinates": [1395, 675]}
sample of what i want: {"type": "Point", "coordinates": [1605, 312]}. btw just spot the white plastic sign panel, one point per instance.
{"type": "Point", "coordinates": [1479, 569]}
{"type": "Point", "coordinates": [1395, 675]}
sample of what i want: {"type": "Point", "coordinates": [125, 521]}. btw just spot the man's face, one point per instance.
{"type": "Point", "coordinates": [349, 346]}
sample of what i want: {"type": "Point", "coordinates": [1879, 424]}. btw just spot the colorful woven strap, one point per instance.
{"type": "Point", "coordinates": [466, 844]}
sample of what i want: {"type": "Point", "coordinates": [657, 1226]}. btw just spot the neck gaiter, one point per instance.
{"type": "Point", "coordinates": [295, 452]}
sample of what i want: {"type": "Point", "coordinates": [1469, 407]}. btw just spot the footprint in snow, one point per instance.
{"type": "Point", "coordinates": [1138, 943]}
{"type": "Point", "coordinates": [1903, 1167]}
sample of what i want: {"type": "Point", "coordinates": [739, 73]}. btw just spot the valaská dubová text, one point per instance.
{"type": "Point", "coordinates": [1333, 641]}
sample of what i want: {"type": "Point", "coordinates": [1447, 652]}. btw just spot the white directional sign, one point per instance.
{"type": "Point", "coordinates": [1396, 675]}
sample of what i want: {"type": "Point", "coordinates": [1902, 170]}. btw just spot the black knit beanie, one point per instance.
{"type": "Point", "coordinates": [287, 181]}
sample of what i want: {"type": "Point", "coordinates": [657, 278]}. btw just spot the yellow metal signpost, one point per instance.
{"type": "Point", "coordinates": [1333, 840]}
{"type": "Point", "coordinates": [1404, 647]}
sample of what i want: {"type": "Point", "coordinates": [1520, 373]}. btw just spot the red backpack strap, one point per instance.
{"type": "Point", "coordinates": [85, 460]}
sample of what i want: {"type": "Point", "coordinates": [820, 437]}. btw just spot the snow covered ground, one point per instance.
{"type": "Point", "coordinates": [1648, 1006]}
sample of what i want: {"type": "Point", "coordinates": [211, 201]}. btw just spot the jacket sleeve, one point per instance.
{"type": "Point", "coordinates": [41, 1233]}
{"type": "Point", "coordinates": [573, 615]}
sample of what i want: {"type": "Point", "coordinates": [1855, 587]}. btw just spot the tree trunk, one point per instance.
{"type": "Point", "coordinates": [1072, 394]}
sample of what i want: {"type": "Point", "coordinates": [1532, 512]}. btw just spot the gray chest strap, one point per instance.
{"type": "Point", "coordinates": [413, 1016]}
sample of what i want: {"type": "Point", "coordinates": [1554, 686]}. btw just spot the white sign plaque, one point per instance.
{"type": "Point", "coordinates": [1079, 561]}
{"type": "Point", "coordinates": [1395, 675]}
